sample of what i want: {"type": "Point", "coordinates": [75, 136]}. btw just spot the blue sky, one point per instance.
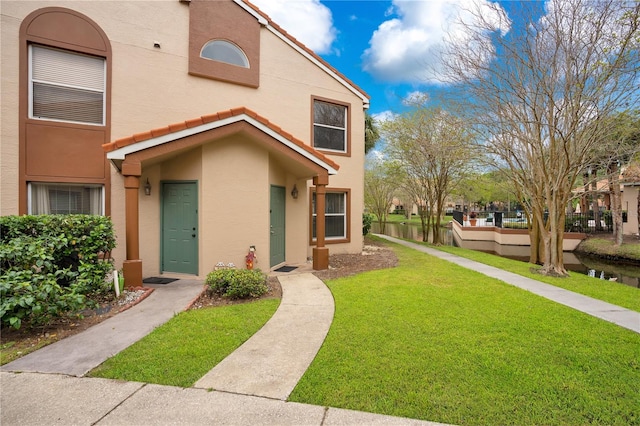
{"type": "Point", "coordinates": [382, 46]}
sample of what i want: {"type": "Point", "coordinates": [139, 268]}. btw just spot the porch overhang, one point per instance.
{"type": "Point", "coordinates": [184, 135]}
{"type": "Point", "coordinates": [130, 154]}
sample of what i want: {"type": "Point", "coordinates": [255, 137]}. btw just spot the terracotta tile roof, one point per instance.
{"type": "Point", "coordinates": [302, 46]}
{"type": "Point", "coordinates": [183, 125]}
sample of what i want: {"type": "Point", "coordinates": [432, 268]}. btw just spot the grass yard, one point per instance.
{"type": "Point", "coordinates": [618, 294]}
{"type": "Point", "coordinates": [600, 246]}
{"type": "Point", "coordinates": [434, 341]}
{"type": "Point", "coordinates": [415, 219]}
{"type": "Point", "coordinates": [184, 349]}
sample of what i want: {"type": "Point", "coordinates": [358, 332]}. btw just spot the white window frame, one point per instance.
{"type": "Point", "coordinates": [327, 126]}
{"type": "Point", "coordinates": [32, 81]}
{"type": "Point", "coordinates": [81, 185]}
{"type": "Point", "coordinates": [234, 46]}
{"type": "Point", "coordinates": [314, 214]}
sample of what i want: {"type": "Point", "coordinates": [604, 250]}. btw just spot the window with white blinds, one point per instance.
{"type": "Point", "coordinates": [66, 86]}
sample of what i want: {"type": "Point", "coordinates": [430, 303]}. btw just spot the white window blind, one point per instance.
{"type": "Point", "coordinates": [67, 86]}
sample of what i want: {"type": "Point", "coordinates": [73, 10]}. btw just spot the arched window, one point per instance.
{"type": "Point", "coordinates": [224, 51]}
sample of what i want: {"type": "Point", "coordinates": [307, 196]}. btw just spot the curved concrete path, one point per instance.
{"type": "Point", "coordinates": [78, 354]}
{"type": "Point", "coordinates": [273, 360]}
{"type": "Point", "coordinates": [606, 311]}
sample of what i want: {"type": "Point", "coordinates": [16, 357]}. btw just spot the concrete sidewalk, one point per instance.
{"type": "Point", "coordinates": [273, 360]}
{"type": "Point", "coordinates": [50, 399]}
{"type": "Point", "coordinates": [612, 313]}
{"type": "Point", "coordinates": [78, 354]}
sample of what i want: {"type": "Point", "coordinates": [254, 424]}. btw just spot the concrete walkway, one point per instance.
{"type": "Point", "coordinates": [273, 360]}
{"type": "Point", "coordinates": [78, 354]}
{"type": "Point", "coordinates": [49, 399]}
{"type": "Point", "coordinates": [615, 314]}
{"type": "Point", "coordinates": [251, 385]}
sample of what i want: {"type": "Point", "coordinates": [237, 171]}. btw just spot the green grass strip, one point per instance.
{"type": "Point", "coordinates": [184, 349]}
{"type": "Point", "coordinates": [431, 340]}
{"type": "Point", "coordinates": [608, 291]}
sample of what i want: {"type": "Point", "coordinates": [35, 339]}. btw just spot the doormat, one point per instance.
{"type": "Point", "coordinates": [286, 268]}
{"type": "Point", "coordinates": [158, 280]}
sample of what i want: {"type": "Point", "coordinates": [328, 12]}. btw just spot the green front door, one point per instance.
{"type": "Point", "coordinates": [277, 225]}
{"type": "Point", "coordinates": [179, 227]}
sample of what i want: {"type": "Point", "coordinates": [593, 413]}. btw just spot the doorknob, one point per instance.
{"type": "Point", "coordinates": [193, 235]}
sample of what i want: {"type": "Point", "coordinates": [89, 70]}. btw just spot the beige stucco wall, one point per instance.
{"type": "Point", "coordinates": [9, 155]}
{"type": "Point", "coordinates": [630, 196]}
{"type": "Point", "coordinates": [151, 88]}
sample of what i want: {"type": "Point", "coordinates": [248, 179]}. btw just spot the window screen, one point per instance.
{"type": "Point", "coordinates": [67, 86]}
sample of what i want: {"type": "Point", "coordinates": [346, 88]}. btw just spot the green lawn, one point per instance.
{"type": "Point", "coordinates": [616, 293]}
{"type": "Point", "coordinates": [434, 341]}
{"type": "Point", "coordinates": [184, 349]}
{"type": "Point", "coordinates": [600, 246]}
{"type": "Point", "coordinates": [415, 220]}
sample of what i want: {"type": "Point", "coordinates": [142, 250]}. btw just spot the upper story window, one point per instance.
{"type": "Point", "coordinates": [224, 51]}
{"type": "Point", "coordinates": [330, 126]}
{"type": "Point", "coordinates": [66, 86]}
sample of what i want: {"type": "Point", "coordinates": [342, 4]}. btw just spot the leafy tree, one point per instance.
{"type": "Point", "coordinates": [615, 151]}
{"type": "Point", "coordinates": [371, 133]}
{"type": "Point", "coordinates": [379, 187]}
{"type": "Point", "coordinates": [432, 148]}
{"type": "Point", "coordinates": [542, 107]}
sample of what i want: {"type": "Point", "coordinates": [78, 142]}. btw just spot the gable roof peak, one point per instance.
{"type": "Point", "coordinates": [267, 22]}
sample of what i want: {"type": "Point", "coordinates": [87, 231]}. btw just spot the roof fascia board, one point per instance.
{"type": "Point", "coordinates": [260, 18]}
{"type": "Point", "coordinates": [121, 153]}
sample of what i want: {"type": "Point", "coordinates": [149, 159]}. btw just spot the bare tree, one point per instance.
{"type": "Point", "coordinates": [433, 147]}
{"type": "Point", "coordinates": [540, 96]}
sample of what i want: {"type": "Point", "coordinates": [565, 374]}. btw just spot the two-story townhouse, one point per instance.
{"type": "Point", "coordinates": [201, 127]}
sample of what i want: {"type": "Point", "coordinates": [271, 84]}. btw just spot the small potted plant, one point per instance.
{"type": "Point", "coordinates": [473, 218]}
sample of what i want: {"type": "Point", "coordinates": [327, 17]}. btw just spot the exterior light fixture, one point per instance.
{"type": "Point", "coordinates": [147, 188]}
{"type": "Point", "coordinates": [294, 192]}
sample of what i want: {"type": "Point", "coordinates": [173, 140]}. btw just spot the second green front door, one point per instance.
{"type": "Point", "coordinates": [277, 225]}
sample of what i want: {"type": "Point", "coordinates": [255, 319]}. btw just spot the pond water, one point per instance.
{"type": "Point", "coordinates": [622, 273]}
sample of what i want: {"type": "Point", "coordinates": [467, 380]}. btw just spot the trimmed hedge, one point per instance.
{"type": "Point", "coordinates": [238, 283]}
{"type": "Point", "coordinates": [50, 263]}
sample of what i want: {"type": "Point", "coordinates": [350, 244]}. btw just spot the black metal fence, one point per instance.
{"type": "Point", "coordinates": [574, 222]}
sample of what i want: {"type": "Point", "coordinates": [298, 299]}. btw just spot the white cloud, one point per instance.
{"type": "Point", "coordinates": [309, 21]}
{"type": "Point", "coordinates": [407, 47]}
{"type": "Point", "coordinates": [383, 116]}
{"type": "Point", "coordinates": [415, 98]}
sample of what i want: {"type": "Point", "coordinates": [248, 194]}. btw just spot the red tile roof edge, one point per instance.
{"type": "Point", "coordinates": [199, 121]}
{"type": "Point", "coordinates": [303, 47]}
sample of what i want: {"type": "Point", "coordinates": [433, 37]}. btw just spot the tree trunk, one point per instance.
{"type": "Point", "coordinates": [594, 204]}
{"type": "Point", "coordinates": [553, 241]}
{"type": "Point", "coordinates": [584, 199]}
{"type": "Point", "coordinates": [616, 203]}
{"type": "Point", "coordinates": [535, 241]}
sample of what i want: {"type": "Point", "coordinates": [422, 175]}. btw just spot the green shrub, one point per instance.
{"type": "Point", "coordinates": [50, 263]}
{"type": "Point", "coordinates": [367, 219]}
{"type": "Point", "coordinates": [238, 283]}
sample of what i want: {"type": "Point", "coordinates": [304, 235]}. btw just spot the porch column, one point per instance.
{"type": "Point", "coordinates": [320, 252]}
{"type": "Point", "coordinates": [132, 266]}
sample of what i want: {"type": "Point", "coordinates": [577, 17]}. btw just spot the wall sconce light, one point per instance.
{"type": "Point", "coordinates": [147, 188]}
{"type": "Point", "coordinates": [294, 192]}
